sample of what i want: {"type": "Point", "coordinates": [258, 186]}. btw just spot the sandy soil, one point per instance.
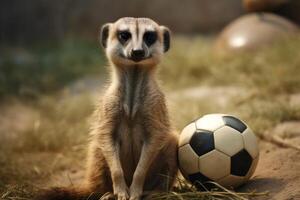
{"type": "Point", "coordinates": [278, 172]}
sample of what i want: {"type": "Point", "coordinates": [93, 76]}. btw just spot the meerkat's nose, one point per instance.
{"type": "Point", "coordinates": [137, 54]}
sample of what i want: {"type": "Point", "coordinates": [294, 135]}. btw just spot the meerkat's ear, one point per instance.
{"type": "Point", "coordinates": [166, 37]}
{"type": "Point", "coordinates": [104, 32]}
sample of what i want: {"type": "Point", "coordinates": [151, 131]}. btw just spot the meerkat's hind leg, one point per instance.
{"type": "Point", "coordinates": [98, 177]}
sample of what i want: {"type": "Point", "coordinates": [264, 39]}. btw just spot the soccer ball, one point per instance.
{"type": "Point", "coordinates": [219, 148]}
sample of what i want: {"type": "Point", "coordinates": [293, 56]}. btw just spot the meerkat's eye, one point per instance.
{"type": "Point", "coordinates": [124, 36]}
{"type": "Point", "coordinates": [150, 37]}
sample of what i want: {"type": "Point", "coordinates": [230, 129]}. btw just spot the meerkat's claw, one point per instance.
{"type": "Point", "coordinates": [135, 193]}
{"type": "Point", "coordinates": [121, 196]}
{"type": "Point", "coordinates": [121, 193]}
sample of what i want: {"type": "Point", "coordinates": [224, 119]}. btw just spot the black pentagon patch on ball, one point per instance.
{"type": "Point", "coordinates": [240, 163]}
{"type": "Point", "coordinates": [234, 123]}
{"type": "Point", "coordinates": [202, 142]}
{"type": "Point", "coordinates": [200, 181]}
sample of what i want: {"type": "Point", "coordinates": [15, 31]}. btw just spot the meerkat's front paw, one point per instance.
{"type": "Point", "coordinates": [135, 197]}
{"type": "Point", "coordinates": [122, 196]}
{"type": "Point", "coordinates": [135, 193]}
{"type": "Point", "coordinates": [121, 192]}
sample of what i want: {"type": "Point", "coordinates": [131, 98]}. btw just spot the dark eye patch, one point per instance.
{"type": "Point", "coordinates": [150, 37]}
{"type": "Point", "coordinates": [124, 36]}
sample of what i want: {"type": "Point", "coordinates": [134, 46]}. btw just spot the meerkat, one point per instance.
{"type": "Point", "coordinates": [133, 148]}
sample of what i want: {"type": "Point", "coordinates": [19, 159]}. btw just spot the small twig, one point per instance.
{"type": "Point", "coordinates": [275, 139]}
{"type": "Point", "coordinates": [230, 192]}
{"type": "Point", "coordinates": [107, 195]}
{"type": "Point", "coordinates": [5, 194]}
{"type": "Point", "coordinates": [70, 179]}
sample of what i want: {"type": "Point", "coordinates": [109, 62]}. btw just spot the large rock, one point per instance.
{"type": "Point", "coordinates": [253, 31]}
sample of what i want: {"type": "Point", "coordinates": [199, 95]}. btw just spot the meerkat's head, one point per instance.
{"type": "Point", "coordinates": [135, 41]}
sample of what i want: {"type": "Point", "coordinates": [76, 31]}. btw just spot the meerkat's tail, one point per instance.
{"type": "Point", "coordinates": [67, 194]}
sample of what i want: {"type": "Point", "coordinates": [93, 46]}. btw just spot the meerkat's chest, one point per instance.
{"type": "Point", "coordinates": [131, 139]}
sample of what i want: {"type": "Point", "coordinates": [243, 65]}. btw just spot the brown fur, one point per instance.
{"type": "Point", "coordinates": [133, 148]}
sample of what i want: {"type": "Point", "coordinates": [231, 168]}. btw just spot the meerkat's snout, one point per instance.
{"type": "Point", "coordinates": [131, 41]}
{"type": "Point", "coordinates": [137, 54]}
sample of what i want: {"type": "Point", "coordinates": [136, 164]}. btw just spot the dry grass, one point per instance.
{"type": "Point", "coordinates": [52, 142]}
{"type": "Point", "coordinates": [260, 113]}
{"type": "Point", "coordinates": [186, 191]}
{"type": "Point", "coordinates": [272, 70]}
{"type": "Point", "coordinates": [21, 192]}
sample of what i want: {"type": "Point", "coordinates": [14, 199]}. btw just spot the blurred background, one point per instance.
{"type": "Point", "coordinates": [241, 55]}
{"type": "Point", "coordinates": [41, 36]}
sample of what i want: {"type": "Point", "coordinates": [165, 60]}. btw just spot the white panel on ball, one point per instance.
{"type": "Point", "coordinates": [228, 140]}
{"type": "Point", "coordinates": [210, 122]}
{"type": "Point", "coordinates": [188, 159]}
{"type": "Point", "coordinates": [214, 165]}
{"type": "Point", "coordinates": [187, 133]}
{"type": "Point", "coordinates": [250, 143]}
{"type": "Point", "coordinates": [231, 181]}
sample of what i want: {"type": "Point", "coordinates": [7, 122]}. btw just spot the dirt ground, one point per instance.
{"type": "Point", "coordinates": [278, 173]}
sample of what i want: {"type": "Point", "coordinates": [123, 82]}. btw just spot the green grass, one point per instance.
{"type": "Point", "coordinates": [41, 69]}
